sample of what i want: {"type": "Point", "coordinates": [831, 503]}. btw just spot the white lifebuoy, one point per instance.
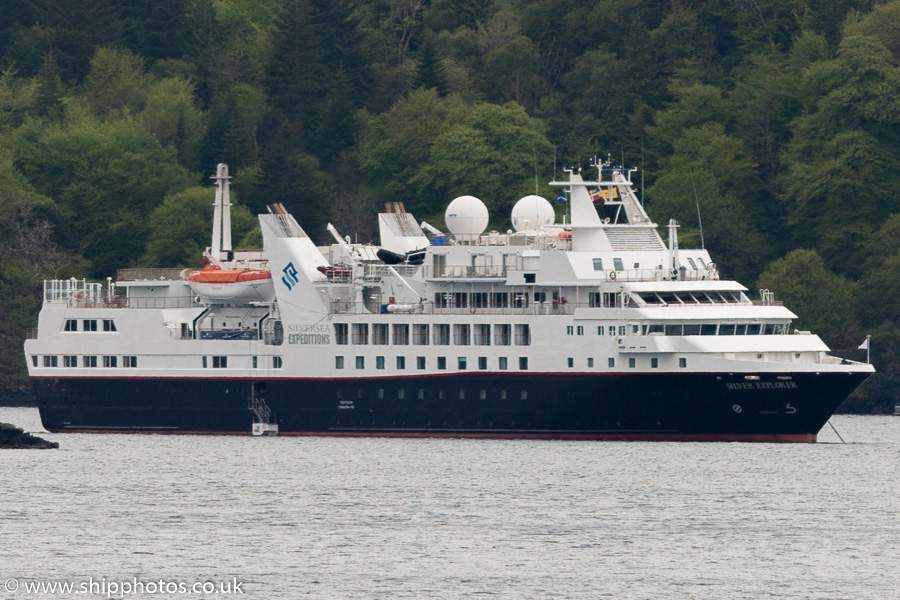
{"type": "Point", "coordinates": [612, 275]}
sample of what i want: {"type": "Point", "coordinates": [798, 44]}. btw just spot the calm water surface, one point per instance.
{"type": "Point", "coordinates": [380, 518]}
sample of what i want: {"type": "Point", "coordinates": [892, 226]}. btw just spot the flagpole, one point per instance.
{"type": "Point", "coordinates": [868, 349]}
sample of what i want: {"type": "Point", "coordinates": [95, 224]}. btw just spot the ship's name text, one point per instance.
{"type": "Point", "coordinates": [309, 334]}
{"type": "Point", "coordinates": [762, 385]}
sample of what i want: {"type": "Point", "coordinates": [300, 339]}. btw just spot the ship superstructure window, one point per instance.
{"type": "Point", "coordinates": [482, 334]}
{"type": "Point", "coordinates": [482, 363]}
{"type": "Point", "coordinates": [503, 363]}
{"type": "Point", "coordinates": [599, 329]}
{"type": "Point", "coordinates": [89, 325]}
{"type": "Point", "coordinates": [360, 362]}
{"type": "Point", "coordinates": [338, 362]}
{"type": "Point", "coordinates": [341, 336]}
{"type": "Point", "coordinates": [109, 325]}
{"type": "Point", "coordinates": [70, 361]}
{"type": "Point", "coordinates": [460, 300]}
{"type": "Point", "coordinates": [71, 325]}
{"type": "Point", "coordinates": [540, 297]}
{"type": "Point", "coordinates": [51, 361]}
{"type": "Point", "coordinates": [218, 362]}
{"type": "Point", "coordinates": [379, 362]}
{"type": "Point", "coordinates": [442, 334]}
{"type": "Point", "coordinates": [277, 362]}
{"type": "Point", "coordinates": [570, 329]}
{"type": "Point", "coordinates": [654, 363]}
{"type": "Point", "coordinates": [502, 334]}
{"type": "Point", "coordinates": [401, 363]}
{"type": "Point", "coordinates": [580, 330]}
{"type": "Point", "coordinates": [611, 362]}
{"type": "Point", "coordinates": [129, 362]}
{"type": "Point", "coordinates": [691, 261]}
{"type": "Point", "coordinates": [617, 264]}
{"type": "Point", "coordinates": [480, 300]}
{"type": "Point", "coordinates": [523, 334]}
{"type": "Point", "coordinates": [682, 362]}
{"type": "Point", "coordinates": [598, 264]}
{"type": "Point", "coordinates": [420, 334]}
{"type": "Point", "coordinates": [379, 334]}
{"type": "Point", "coordinates": [360, 334]}
{"type": "Point", "coordinates": [523, 363]}
{"type": "Point", "coordinates": [203, 361]}
{"type": "Point", "coordinates": [595, 299]}
{"type": "Point", "coordinates": [34, 361]}
{"type": "Point", "coordinates": [520, 300]}
{"type": "Point", "coordinates": [590, 362]}
{"type": "Point", "coordinates": [112, 361]}
{"type": "Point", "coordinates": [420, 362]}
{"type": "Point", "coordinates": [461, 363]}
{"type": "Point", "coordinates": [571, 362]}
{"type": "Point", "coordinates": [461, 334]}
{"type": "Point", "coordinates": [631, 363]}
{"type": "Point", "coordinates": [441, 363]}
{"type": "Point", "coordinates": [401, 334]}
{"type": "Point", "coordinates": [500, 300]}
{"type": "Point", "coordinates": [621, 330]}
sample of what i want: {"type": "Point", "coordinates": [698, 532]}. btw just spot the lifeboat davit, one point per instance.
{"type": "Point", "coordinates": [216, 285]}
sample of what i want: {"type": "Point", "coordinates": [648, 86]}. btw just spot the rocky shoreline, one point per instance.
{"type": "Point", "coordinates": [17, 398]}
{"type": "Point", "coordinates": [13, 437]}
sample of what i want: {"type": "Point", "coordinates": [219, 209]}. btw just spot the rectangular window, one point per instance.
{"type": "Point", "coordinates": [631, 363]}
{"type": "Point", "coordinates": [109, 325]}
{"type": "Point", "coordinates": [654, 363]}
{"type": "Point", "coordinates": [420, 362]}
{"type": "Point", "coordinates": [129, 362]}
{"type": "Point", "coordinates": [461, 363]}
{"type": "Point", "coordinates": [520, 300]}
{"type": "Point", "coordinates": [673, 329]}
{"type": "Point", "coordinates": [595, 299]}
{"type": "Point", "coordinates": [571, 362]}
{"type": "Point", "coordinates": [71, 325]}
{"type": "Point", "coordinates": [600, 330]}
{"type": "Point", "coordinates": [753, 329]}
{"type": "Point", "coordinates": [277, 362]}
{"type": "Point", "coordinates": [401, 393]}
{"type": "Point", "coordinates": [442, 363]}
{"type": "Point", "coordinates": [523, 334]}
{"type": "Point", "coordinates": [360, 334]}
{"type": "Point", "coordinates": [50, 361]}
{"type": "Point", "coordinates": [611, 362]}
{"type": "Point", "coordinates": [360, 362]}
{"type": "Point", "coordinates": [480, 299]}
{"type": "Point", "coordinates": [726, 329]}
{"type": "Point", "coordinates": [442, 334]}
{"type": "Point", "coordinates": [690, 329]}
{"type": "Point", "coordinates": [621, 330]}
{"type": "Point", "coordinates": [523, 363]}
{"type": "Point", "coordinates": [219, 362]}
{"type": "Point", "coordinates": [379, 362]}
{"type": "Point", "coordinates": [540, 297]}
{"type": "Point", "coordinates": [617, 264]}
{"type": "Point", "coordinates": [500, 300]}
{"type": "Point", "coordinates": [340, 334]}
{"type": "Point", "coordinates": [570, 330]}
{"type": "Point", "coordinates": [708, 329]}
{"type": "Point", "coordinates": [34, 361]}
{"type": "Point", "coordinates": [503, 363]}
{"type": "Point", "coordinates": [682, 362]}
{"type": "Point", "coordinates": [401, 334]}
{"type": "Point", "coordinates": [338, 362]}
{"type": "Point", "coordinates": [482, 334]}
{"type": "Point", "coordinates": [460, 300]}
{"type": "Point", "coordinates": [420, 335]}
{"type": "Point", "coordinates": [70, 361]}
{"type": "Point", "coordinates": [461, 334]}
{"type": "Point", "coordinates": [421, 394]}
{"type": "Point", "coordinates": [380, 334]}
{"type": "Point", "coordinates": [110, 361]}
{"type": "Point", "coordinates": [401, 362]}
{"type": "Point", "coordinates": [612, 330]}
{"type": "Point", "coordinates": [255, 362]}
{"type": "Point", "coordinates": [203, 360]}
{"type": "Point", "coordinates": [89, 325]}
{"type": "Point", "coordinates": [580, 330]}
{"type": "Point", "coordinates": [590, 363]}
{"type": "Point", "coordinates": [502, 334]}
{"type": "Point", "coordinates": [482, 363]}
{"type": "Point", "coordinates": [441, 300]}
{"type": "Point", "coordinates": [598, 264]}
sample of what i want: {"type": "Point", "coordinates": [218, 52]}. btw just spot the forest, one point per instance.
{"type": "Point", "coordinates": [774, 122]}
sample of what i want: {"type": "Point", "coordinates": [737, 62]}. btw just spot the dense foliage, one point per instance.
{"type": "Point", "coordinates": [779, 119]}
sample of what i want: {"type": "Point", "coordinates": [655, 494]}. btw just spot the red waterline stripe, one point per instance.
{"type": "Point", "coordinates": [794, 438]}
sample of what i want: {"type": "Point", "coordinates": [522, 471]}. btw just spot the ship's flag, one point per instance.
{"type": "Point", "coordinates": [606, 193]}
{"type": "Point", "coordinates": [864, 345]}
{"type": "Point", "coordinates": [595, 193]}
{"type": "Point", "coordinates": [561, 197]}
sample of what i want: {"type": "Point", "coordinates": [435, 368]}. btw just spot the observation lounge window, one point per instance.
{"type": "Point", "coordinates": [360, 334]}
{"type": "Point", "coordinates": [483, 334]}
{"type": "Point", "coordinates": [461, 334]}
{"type": "Point", "coordinates": [341, 336]}
{"type": "Point", "coordinates": [708, 329]}
{"type": "Point", "coordinates": [401, 334]}
{"type": "Point", "coordinates": [691, 329]}
{"type": "Point", "coordinates": [442, 334]}
{"type": "Point", "coordinates": [726, 329]}
{"type": "Point", "coordinates": [523, 335]}
{"type": "Point", "coordinates": [420, 334]}
{"type": "Point", "coordinates": [379, 334]}
{"type": "Point", "coordinates": [673, 329]}
{"type": "Point", "coordinates": [754, 328]}
{"type": "Point", "coordinates": [502, 334]}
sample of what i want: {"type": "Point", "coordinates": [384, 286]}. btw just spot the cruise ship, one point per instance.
{"type": "Point", "coordinates": [595, 328]}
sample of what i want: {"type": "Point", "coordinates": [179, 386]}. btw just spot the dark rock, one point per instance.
{"type": "Point", "coordinates": [15, 438]}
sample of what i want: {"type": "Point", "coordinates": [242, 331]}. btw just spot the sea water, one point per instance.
{"type": "Point", "coordinates": [152, 516]}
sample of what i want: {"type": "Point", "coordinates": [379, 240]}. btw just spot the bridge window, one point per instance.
{"type": "Point", "coordinates": [598, 264]}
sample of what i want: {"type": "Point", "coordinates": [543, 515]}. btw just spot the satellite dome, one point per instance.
{"type": "Point", "coordinates": [466, 217]}
{"type": "Point", "coordinates": [532, 212]}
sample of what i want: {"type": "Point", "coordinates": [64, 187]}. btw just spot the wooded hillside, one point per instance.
{"type": "Point", "coordinates": [779, 118]}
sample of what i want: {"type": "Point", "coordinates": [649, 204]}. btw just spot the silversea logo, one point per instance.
{"type": "Point", "coordinates": [309, 334]}
{"type": "Point", "coordinates": [290, 278]}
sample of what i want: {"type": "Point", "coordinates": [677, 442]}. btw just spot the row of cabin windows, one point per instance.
{"type": "Point", "coordinates": [221, 362]}
{"type": "Point", "coordinates": [463, 334]}
{"type": "Point", "coordinates": [72, 361]}
{"type": "Point", "coordinates": [632, 363]}
{"type": "Point", "coordinates": [689, 329]}
{"type": "Point", "coordinates": [478, 300]}
{"type": "Point", "coordinates": [462, 363]}
{"type": "Point", "coordinates": [89, 325]}
{"type": "Point", "coordinates": [500, 394]}
{"type": "Point", "coordinates": [619, 266]}
{"type": "Point", "coordinates": [676, 298]}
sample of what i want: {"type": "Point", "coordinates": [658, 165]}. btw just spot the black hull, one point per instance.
{"type": "Point", "coordinates": [699, 407]}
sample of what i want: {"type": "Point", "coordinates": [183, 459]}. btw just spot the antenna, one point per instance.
{"type": "Point", "coordinates": [534, 154]}
{"type": "Point", "coordinates": [642, 169]}
{"type": "Point", "coordinates": [697, 201]}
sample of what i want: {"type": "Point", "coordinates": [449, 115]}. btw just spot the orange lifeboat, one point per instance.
{"type": "Point", "coordinates": [216, 285]}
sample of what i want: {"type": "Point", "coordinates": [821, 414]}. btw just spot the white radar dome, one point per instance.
{"type": "Point", "coordinates": [532, 212]}
{"type": "Point", "coordinates": [466, 217]}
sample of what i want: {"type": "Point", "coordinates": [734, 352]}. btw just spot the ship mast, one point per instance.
{"type": "Point", "coordinates": [221, 236]}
